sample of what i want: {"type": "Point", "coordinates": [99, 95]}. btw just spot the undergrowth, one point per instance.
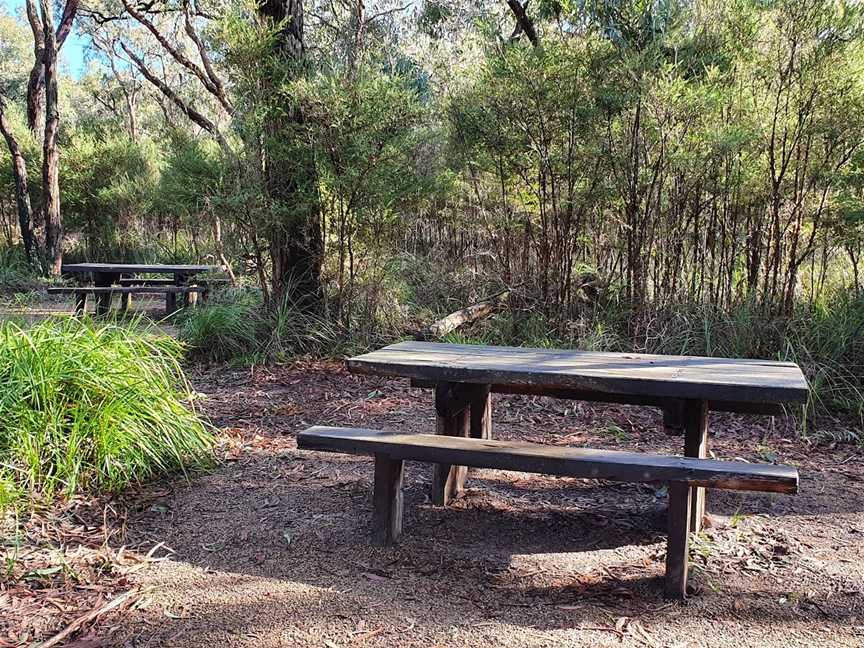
{"type": "Point", "coordinates": [91, 407]}
{"type": "Point", "coordinates": [16, 273]}
{"type": "Point", "coordinates": [237, 328]}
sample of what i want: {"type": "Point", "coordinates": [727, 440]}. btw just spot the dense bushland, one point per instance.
{"type": "Point", "coordinates": [676, 177]}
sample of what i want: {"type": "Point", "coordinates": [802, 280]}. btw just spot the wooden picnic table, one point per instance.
{"type": "Point", "coordinates": [109, 274]}
{"type": "Point", "coordinates": [686, 388]}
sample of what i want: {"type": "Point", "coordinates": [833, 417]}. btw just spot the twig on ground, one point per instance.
{"type": "Point", "coordinates": [87, 618]}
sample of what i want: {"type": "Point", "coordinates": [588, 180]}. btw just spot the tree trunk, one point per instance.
{"type": "Point", "coordinates": [36, 82]}
{"type": "Point", "coordinates": [19, 171]}
{"type": "Point", "coordinates": [50, 152]}
{"type": "Point", "coordinates": [220, 250]}
{"type": "Point", "coordinates": [290, 176]}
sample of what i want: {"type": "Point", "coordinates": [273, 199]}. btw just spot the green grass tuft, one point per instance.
{"type": "Point", "coordinates": [222, 332]}
{"type": "Point", "coordinates": [88, 407]}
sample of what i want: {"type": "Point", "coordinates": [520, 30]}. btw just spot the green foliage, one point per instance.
{"type": "Point", "coordinates": [89, 407]}
{"type": "Point", "coordinates": [16, 274]}
{"type": "Point", "coordinates": [223, 332]}
{"type": "Point", "coordinates": [109, 182]}
{"type": "Point", "coordinates": [192, 180]}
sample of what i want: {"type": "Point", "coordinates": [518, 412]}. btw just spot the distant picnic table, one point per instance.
{"type": "Point", "coordinates": [686, 388]}
{"type": "Point", "coordinates": [109, 279]}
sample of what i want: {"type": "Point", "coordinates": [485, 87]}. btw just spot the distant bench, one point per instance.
{"type": "Point", "coordinates": [106, 293]}
{"type": "Point", "coordinates": [124, 279]}
{"type": "Point", "coordinates": [391, 450]}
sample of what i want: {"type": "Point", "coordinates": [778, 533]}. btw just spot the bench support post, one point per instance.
{"type": "Point", "coordinates": [452, 409]}
{"type": "Point", "coordinates": [387, 501]}
{"type": "Point", "coordinates": [677, 547]}
{"type": "Point", "coordinates": [696, 445]}
{"type": "Point", "coordinates": [181, 279]}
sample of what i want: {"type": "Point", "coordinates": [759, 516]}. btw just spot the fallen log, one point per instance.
{"type": "Point", "coordinates": [463, 316]}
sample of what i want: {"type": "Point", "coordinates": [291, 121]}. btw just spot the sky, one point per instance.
{"type": "Point", "coordinates": [72, 54]}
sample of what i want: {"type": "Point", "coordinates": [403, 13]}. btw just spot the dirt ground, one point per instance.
{"type": "Point", "coordinates": [271, 548]}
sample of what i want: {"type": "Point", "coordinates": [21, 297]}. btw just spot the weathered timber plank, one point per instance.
{"type": "Point", "coordinates": [143, 268]}
{"type": "Point", "coordinates": [677, 544]}
{"type": "Point", "coordinates": [124, 290]}
{"type": "Point", "coordinates": [553, 460]}
{"type": "Point", "coordinates": [695, 419]}
{"type": "Point", "coordinates": [769, 409]}
{"type": "Point", "coordinates": [139, 281]}
{"type": "Point", "coordinates": [682, 377]}
{"type": "Point", "coordinates": [387, 501]}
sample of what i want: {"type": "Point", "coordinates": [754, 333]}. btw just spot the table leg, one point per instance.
{"type": "Point", "coordinates": [170, 303]}
{"type": "Point", "coordinates": [481, 412]}
{"type": "Point", "coordinates": [696, 445]}
{"type": "Point", "coordinates": [104, 280]}
{"type": "Point", "coordinates": [673, 417]}
{"type": "Point", "coordinates": [452, 409]}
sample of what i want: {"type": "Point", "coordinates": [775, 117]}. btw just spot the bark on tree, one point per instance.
{"type": "Point", "coordinates": [50, 152]}
{"type": "Point", "coordinates": [294, 231]}
{"type": "Point", "coordinates": [19, 171]}
{"type": "Point", "coordinates": [36, 81]}
{"type": "Point", "coordinates": [524, 24]}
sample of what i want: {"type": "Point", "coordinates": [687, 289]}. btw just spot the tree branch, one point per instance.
{"type": "Point", "coordinates": [178, 101]}
{"type": "Point", "coordinates": [205, 58]}
{"type": "Point", "coordinates": [177, 55]}
{"type": "Point", "coordinates": [524, 22]}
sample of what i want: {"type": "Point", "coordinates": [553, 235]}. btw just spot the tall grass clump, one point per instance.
{"type": "Point", "coordinates": [827, 341]}
{"type": "Point", "coordinates": [237, 327]}
{"type": "Point", "coordinates": [87, 408]}
{"type": "Point", "coordinates": [15, 271]}
{"type": "Point", "coordinates": [223, 332]}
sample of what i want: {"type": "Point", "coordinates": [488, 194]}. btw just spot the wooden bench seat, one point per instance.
{"type": "Point", "coordinates": [125, 290]}
{"type": "Point", "coordinates": [106, 293]}
{"type": "Point", "coordinates": [139, 281]}
{"type": "Point", "coordinates": [391, 449]}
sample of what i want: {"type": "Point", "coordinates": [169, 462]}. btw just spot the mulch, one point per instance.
{"type": "Point", "coordinates": [78, 573]}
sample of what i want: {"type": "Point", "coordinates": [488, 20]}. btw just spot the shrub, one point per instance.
{"type": "Point", "coordinates": [242, 330]}
{"type": "Point", "coordinates": [16, 274]}
{"type": "Point", "coordinates": [88, 407]}
{"type": "Point", "coordinates": [222, 332]}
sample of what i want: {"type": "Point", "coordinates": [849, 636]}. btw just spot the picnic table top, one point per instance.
{"type": "Point", "coordinates": [674, 377]}
{"type": "Point", "coordinates": [143, 268]}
